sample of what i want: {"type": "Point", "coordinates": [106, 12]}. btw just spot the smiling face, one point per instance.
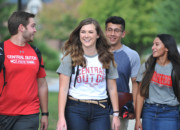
{"type": "Point", "coordinates": [88, 36]}
{"type": "Point", "coordinates": [158, 48]}
{"type": "Point", "coordinates": [29, 31]}
{"type": "Point", "coordinates": [114, 33]}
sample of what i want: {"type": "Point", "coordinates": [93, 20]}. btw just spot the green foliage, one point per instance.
{"type": "Point", "coordinates": [5, 11]}
{"type": "Point", "coordinates": [168, 17]}
{"type": "Point", "coordinates": [58, 29]}
{"type": "Point", "coordinates": [57, 20]}
{"type": "Point", "coordinates": [140, 28]}
{"type": "Point", "coordinates": [144, 19]}
{"type": "Point", "coordinates": [50, 57]}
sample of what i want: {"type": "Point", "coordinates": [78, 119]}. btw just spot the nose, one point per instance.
{"type": "Point", "coordinates": [153, 47]}
{"type": "Point", "coordinates": [86, 34]}
{"type": "Point", "coordinates": [112, 32]}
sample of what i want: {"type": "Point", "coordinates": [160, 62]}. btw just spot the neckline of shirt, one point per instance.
{"type": "Point", "coordinates": [120, 49]}
{"type": "Point", "coordinates": [90, 56]}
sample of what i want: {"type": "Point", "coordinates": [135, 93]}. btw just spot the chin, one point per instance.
{"type": "Point", "coordinates": [112, 43]}
{"type": "Point", "coordinates": [155, 56]}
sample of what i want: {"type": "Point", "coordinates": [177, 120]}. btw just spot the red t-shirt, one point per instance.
{"type": "Point", "coordinates": [20, 95]}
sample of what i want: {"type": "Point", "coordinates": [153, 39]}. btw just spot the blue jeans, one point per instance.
{"type": "Point", "coordinates": [159, 117]}
{"type": "Point", "coordinates": [86, 116]}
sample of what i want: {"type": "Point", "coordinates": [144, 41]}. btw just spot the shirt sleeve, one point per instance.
{"type": "Point", "coordinates": [112, 72]}
{"type": "Point", "coordinates": [41, 72]}
{"type": "Point", "coordinates": [141, 73]}
{"type": "Point", "coordinates": [135, 64]}
{"type": "Point", "coordinates": [66, 66]}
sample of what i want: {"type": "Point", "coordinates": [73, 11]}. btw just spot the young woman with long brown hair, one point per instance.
{"type": "Point", "coordinates": [159, 93]}
{"type": "Point", "coordinates": [86, 65]}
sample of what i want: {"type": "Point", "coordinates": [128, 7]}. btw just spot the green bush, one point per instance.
{"type": "Point", "coordinates": [50, 57]}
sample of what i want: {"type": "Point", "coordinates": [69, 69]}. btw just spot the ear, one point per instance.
{"type": "Point", "coordinates": [166, 49]}
{"type": "Point", "coordinates": [21, 28]}
{"type": "Point", "coordinates": [123, 34]}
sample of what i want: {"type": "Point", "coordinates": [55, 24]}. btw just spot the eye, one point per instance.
{"type": "Point", "coordinates": [33, 25]}
{"type": "Point", "coordinates": [109, 29]}
{"type": "Point", "coordinates": [82, 31]}
{"type": "Point", "coordinates": [91, 32]}
{"type": "Point", "coordinates": [117, 30]}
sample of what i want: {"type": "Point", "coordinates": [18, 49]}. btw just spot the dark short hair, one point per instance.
{"type": "Point", "coordinates": [17, 18]}
{"type": "Point", "coordinates": [116, 20]}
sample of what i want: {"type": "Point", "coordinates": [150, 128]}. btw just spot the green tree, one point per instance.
{"type": "Point", "coordinates": [168, 18]}
{"type": "Point", "coordinates": [50, 57]}
{"type": "Point", "coordinates": [5, 10]}
{"type": "Point", "coordinates": [141, 27]}
{"type": "Point", "coordinates": [58, 19]}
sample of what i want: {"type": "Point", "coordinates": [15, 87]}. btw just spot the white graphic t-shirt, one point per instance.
{"type": "Point", "coordinates": [91, 81]}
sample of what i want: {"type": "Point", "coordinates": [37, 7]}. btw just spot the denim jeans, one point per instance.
{"type": "Point", "coordinates": [160, 117]}
{"type": "Point", "coordinates": [86, 116]}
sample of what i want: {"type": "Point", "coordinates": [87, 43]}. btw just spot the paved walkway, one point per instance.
{"type": "Point", "coordinates": [53, 86]}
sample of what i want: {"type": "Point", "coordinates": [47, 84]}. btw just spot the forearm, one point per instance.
{"type": "Point", "coordinates": [112, 89]}
{"type": "Point", "coordinates": [63, 91]}
{"type": "Point", "coordinates": [62, 98]}
{"type": "Point", "coordinates": [139, 105]}
{"type": "Point", "coordinates": [114, 100]}
{"type": "Point", "coordinates": [134, 92]}
{"type": "Point", "coordinates": [43, 94]}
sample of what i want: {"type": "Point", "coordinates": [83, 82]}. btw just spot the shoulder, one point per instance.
{"type": "Point", "coordinates": [132, 55]}
{"type": "Point", "coordinates": [67, 58]}
{"type": "Point", "coordinates": [112, 72]}
{"type": "Point", "coordinates": [143, 67]}
{"type": "Point", "coordinates": [129, 51]}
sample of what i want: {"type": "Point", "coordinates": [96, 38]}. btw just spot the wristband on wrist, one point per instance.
{"type": "Point", "coordinates": [45, 114]}
{"type": "Point", "coordinates": [116, 114]}
{"type": "Point", "coordinates": [115, 111]}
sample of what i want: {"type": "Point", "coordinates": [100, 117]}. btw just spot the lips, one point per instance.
{"type": "Point", "coordinates": [87, 40]}
{"type": "Point", "coordinates": [112, 39]}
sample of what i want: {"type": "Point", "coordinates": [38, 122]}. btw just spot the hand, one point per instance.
{"type": "Point", "coordinates": [44, 122]}
{"type": "Point", "coordinates": [138, 125]}
{"type": "Point", "coordinates": [115, 123]}
{"type": "Point", "coordinates": [61, 124]}
{"type": "Point", "coordinates": [131, 116]}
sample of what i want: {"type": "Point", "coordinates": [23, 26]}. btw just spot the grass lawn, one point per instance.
{"type": "Point", "coordinates": [53, 110]}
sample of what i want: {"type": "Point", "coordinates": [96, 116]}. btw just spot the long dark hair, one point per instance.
{"type": "Point", "coordinates": [173, 55]}
{"type": "Point", "coordinates": [74, 46]}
